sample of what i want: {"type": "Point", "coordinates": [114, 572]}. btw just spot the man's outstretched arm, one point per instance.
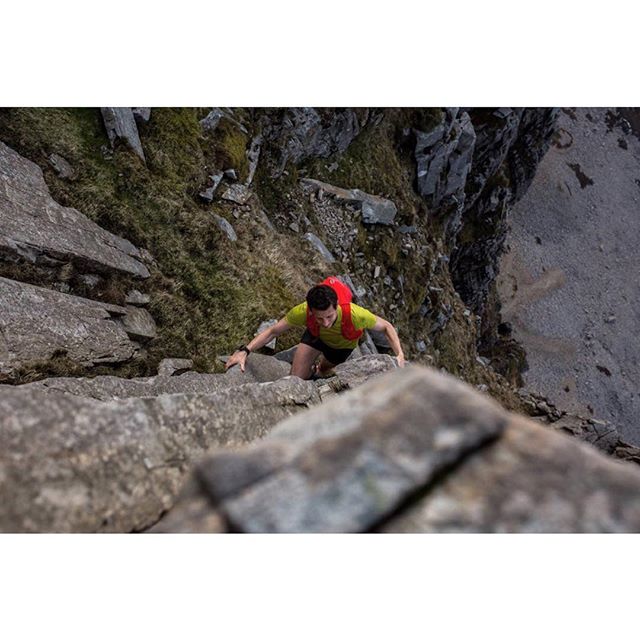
{"type": "Point", "coordinates": [266, 336]}
{"type": "Point", "coordinates": [392, 336]}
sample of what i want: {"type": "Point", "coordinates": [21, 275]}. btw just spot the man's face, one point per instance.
{"type": "Point", "coordinates": [325, 318]}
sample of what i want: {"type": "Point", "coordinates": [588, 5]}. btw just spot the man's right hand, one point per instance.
{"type": "Point", "coordinates": [238, 357]}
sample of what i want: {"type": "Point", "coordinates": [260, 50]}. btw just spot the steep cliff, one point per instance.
{"type": "Point", "coordinates": [223, 206]}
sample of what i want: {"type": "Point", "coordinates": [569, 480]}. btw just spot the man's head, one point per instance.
{"type": "Point", "coordinates": [322, 301]}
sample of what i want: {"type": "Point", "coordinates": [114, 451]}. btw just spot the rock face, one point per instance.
{"type": "Point", "coordinates": [74, 464]}
{"type": "Point", "coordinates": [120, 123]}
{"type": "Point", "coordinates": [302, 133]}
{"type": "Point", "coordinates": [509, 145]}
{"type": "Point", "coordinates": [35, 228]}
{"type": "Point", "coordinates": [443, 158]}
{"type": "Point", "coordinates": [37, 323]}
{"type": "Point", "coordinates": [413, 450]}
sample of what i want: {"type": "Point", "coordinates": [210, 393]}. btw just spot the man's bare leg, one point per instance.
{"type": "Point", "coordinates": [303, 360]}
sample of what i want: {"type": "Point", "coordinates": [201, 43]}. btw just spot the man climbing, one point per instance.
{"type": "Point", "coordinates": [333, 327]}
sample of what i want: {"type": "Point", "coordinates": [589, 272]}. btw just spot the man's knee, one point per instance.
{"type": "Point", "coordinates": [303, 362]}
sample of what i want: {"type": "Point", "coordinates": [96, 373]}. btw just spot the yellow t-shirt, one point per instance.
{"type": "Point", "coordinates": [332, 336]}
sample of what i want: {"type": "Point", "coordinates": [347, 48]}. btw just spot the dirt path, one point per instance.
{"type": "Point", "coordinates": [570, 283]}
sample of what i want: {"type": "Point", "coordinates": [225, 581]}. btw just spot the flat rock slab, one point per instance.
{"type": "Point", "coordinates": [70, 464]}
{"type": "Point", "coordinates": [348, 464]}
{"type": "Point", "coordinates": [259, 369]}
{"type": "Point", "coordinates": [36, 228]}
{"type": "Point", "coordinates": [531, 480]}
{"type": "Point", "coordinates": [35, 323]}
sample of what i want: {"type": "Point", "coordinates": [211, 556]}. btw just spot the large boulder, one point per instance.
{"type": "Point", "coordinates": [38, 323]}
{"type": "Point", "coordinates": [412, 450]}
{"type": "Point", "coordinates": [35, 228]}
{"type": "Point", "coordinates": [71, 464]}
{"type": "Point", "coordinates": [532, 480]}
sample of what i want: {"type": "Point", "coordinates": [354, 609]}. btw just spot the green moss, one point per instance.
{"type": "Point", "coordinates": [231, 144]}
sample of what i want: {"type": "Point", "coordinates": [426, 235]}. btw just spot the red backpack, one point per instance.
{"type": "Point", "coordinates": [349, 332]}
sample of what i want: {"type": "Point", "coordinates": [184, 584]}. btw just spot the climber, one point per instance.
{"type": "Point", "coordinates": [333, 327]}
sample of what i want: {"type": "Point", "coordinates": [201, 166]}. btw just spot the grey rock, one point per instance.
{"type": "Point", "coordinates": [137, 299]}
{"type": "Point", "coordinates": [141, 114]}
{"type": "Point", "coordinates": [211, 121]}
{"type": "Point", "coordinates": [320, 246]}
{"type": "Point", "coordinates": [346, 465]}
{"type": "Point", "coordinates": [120, 123]}
{"type": "Point", "coordinates": [71, 464]}
{"type": "Point", "coordinates": [62, 167]}
{"type": "Point", "coordinates": [230, 174]}
{"type": "Point", "coordinates": [357, 292]}
{"type": "Point", "coordinates": [375, 210]}
{"type": "Point", "coordinates": [531, 480]}
{"type": "Point", "coordinates": [225, 227]}
{"type": "Point", "coordinates": [286, 355]}
{"type": "Point", "coordinates": [258, 368]}
{"type": "Point", "coordinates": [355, 372]}
{"type": "Point", "coordinates": [191, 513]}
{"type": "Point", "coordinates": [36, 323]}
{"type": "Point", "coordinates": [301, 133]}
{"type": "Point", "coordinates": [174, 366]}
{"type": "Point", "coordinates": [367, 345]}
{"type": "Point", "coordinates": [443, 160]}
{"type": "Point", "coordinates": [35, 228]}
{"type": "Point", "coordinates": [380, 339]}
{"type": "Point", "coordinates": [603, 436]}
{"type": "Point", "coordinates": [421, 346]}
{"type": "Point", "coordinates": [510, 144]}
{"type": "Point", "coordinates": [265, 219]}
{"type": "Point", "coordinates": [265, 325]}
{"type": "Point", "coordinates": [253, 156]}
{"type": "Point", "coordinates": [237, 193]}
{"type": "Point", "coordinates": [138, 323]}
{"type": "Point", "coordinates": [207, 194]}
{"type": "Point", "coordinates": [407, 229]}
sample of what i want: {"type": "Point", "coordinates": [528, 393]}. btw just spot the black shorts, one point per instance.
{"type": "Point", "coordinates": [334, 356]}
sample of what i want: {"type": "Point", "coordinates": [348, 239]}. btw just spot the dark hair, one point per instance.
{"type": "Point", "coordinates": [321, 297]}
